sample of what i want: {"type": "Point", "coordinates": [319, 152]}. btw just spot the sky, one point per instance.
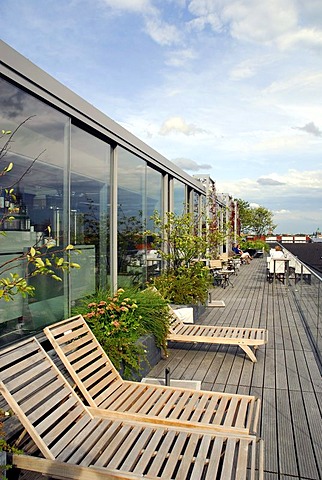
{"type": "Point", "coordinates": [229, 88]}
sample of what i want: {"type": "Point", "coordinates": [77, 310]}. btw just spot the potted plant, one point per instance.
{"type": "Point", "coordinates": [185, 279]}
{"type": "Point", "coordinates": [122, 324]}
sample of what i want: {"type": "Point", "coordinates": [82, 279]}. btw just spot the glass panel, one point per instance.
{"type": "Point", "coordinates": [154, 194]}
{"type": "Point", "coordinates": [179, 197]}
{"type": "Point", "coordinates": [196, 213]}
{"type": "Point", "coordinates": [306, 287]}
{"type": "Point", "coordinates": [89, 212]}
{"type": "Point", "coordinates": [38, 152]}
{"type": "Point", "coordinates": [131, 218]}
{"type": "Point", "coordinates": [154, 203]}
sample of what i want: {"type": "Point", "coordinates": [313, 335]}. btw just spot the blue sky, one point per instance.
{"type": "Point", "coordinates": [232, 88]}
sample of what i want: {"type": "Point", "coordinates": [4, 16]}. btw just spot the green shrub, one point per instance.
{"type": "Point", "coordinates": [119, 321]}
{"type": "Point", "coordinates": [254, 245]}
{"type": "Point", "coordinates": [186, 285]}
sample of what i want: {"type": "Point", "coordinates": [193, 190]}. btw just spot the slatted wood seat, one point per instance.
{"type": "Point", "coordinates": [245, 338]}
{"type": "Point", "coordinates": [76, 444]}
{"type": "Point", "coordinates": [103, 387]}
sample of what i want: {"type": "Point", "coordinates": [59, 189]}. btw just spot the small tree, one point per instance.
{"type": "Point", "coordinates": [177, 240]}
{"type": "Point", "coordinates": [254, 220]}
{"type": "Point", "coordinates": [184, 279]}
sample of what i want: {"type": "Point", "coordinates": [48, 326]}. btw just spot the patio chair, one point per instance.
{"type": "Point", "coordinates": [71, 442]}
{"type": "Point", "coordinates": [102, 387]}
{"type": "Point", "coordinates": [277, 269]}
{"type": "Point", "coordinates": [244, 337]}
{"type": "Point", "coordinates": [221, 275]}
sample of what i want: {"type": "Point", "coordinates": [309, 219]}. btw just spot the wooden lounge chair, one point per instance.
{"type": "Point", "coordinates": [102, 386]}
{"type": "Point", "coordinates": [71, 442]}
{"type": "Point", "coordinates": [245, 338]}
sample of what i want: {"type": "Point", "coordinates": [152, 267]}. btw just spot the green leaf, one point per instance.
{"type": "Point", "coordinates": [55, 277]}
{"type": "Point", "coordinates": [8, 167]}
{"type": "Point", "coordinates": [39, 262]}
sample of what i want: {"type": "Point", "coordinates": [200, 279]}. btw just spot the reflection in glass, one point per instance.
{"type": "Point", "coordinates": [179, 197]}
{"type": "Point", "coordinates": [89, 211]}
{"type": "Point", "coordinates": [38, 153]}
{"type": "Point", "coordinates": [132, 208]}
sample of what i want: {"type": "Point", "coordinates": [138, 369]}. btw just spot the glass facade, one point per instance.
{"type": "Point", "coordinates": [139, 195]}
{"type": "Point", "coordinates": [36, 214]}
{"type": "Point", "coordinates": [78, 178]}
{"type": "Point", "coordinates": [89, 211]}
{"type": "Point", "coordinates": [180, 199]}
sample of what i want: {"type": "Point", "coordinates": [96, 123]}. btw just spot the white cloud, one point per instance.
{"type": "Point", "coordinates": [179, 58]}
{"type": "Point", "coordinates": [282, 212]}
{"type": "Point", "coordinates": [306, 183]}
{"type": "Point", "coordinates": [304, 37]}
{"type": "Point", "coordinates": [295, 82]}
{"type": "Point", "coordinates": [139, 6]}
{"type": "Point", "coordinates": [161, 32]}
{"type": "Point", "coordinates": [179, 125]}
{"type": "Point", "coordinates": [269, 181]}
{"type": "Point", "coordinates": [261, 22]}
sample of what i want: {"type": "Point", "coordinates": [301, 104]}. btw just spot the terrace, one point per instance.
{"type": "Point", "coordinates": [286, 376]}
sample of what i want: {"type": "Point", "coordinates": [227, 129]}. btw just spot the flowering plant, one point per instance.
{"type": "Point", "coordinates": [117, 314]}
{"type": "Point", "coordinates": [118, 321]}
{"type": "Point", "coordinates": [117, 327]}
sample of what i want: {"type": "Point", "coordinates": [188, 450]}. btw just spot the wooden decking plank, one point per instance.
{"type": "Point", "coordinates": [280, 369]}
{"type": "Point", "coordinates": [311, 408]}
{"type": "Point", "coordinates": [291, 370]}
{"type": "Point", "coordinates": [304, 447]}
{"type": "Point", "coordinates": [285, 438]}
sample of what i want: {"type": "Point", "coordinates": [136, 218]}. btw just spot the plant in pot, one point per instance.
{"type": "Point", "coordinates": [184, 279]}
{"type": "Point", "coordinates": [120, 321]}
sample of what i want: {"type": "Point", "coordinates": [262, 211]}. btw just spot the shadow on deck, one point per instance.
{"type": "Point", "coordinates": [286, 376]}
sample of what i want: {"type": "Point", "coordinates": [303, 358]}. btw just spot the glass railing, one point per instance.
{"type": "Point", "coordinates": [306, 286]}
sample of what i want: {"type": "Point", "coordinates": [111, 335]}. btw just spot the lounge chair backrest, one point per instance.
{"type": "Point", "coordinates": [175, 322]}
{"type": "Point", "coordinates": [39, 396]}
{"type": "Point", "coordinates": [86, 361]}
{"type": "Point", "coordinates": [215, 264]}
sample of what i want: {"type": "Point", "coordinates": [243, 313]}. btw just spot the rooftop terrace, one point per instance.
{"type": "Point", "coordinates": [286, 376]}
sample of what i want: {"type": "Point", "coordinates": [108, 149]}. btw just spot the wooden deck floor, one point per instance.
{"type": "Point", "coordinates": [286, 376]}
